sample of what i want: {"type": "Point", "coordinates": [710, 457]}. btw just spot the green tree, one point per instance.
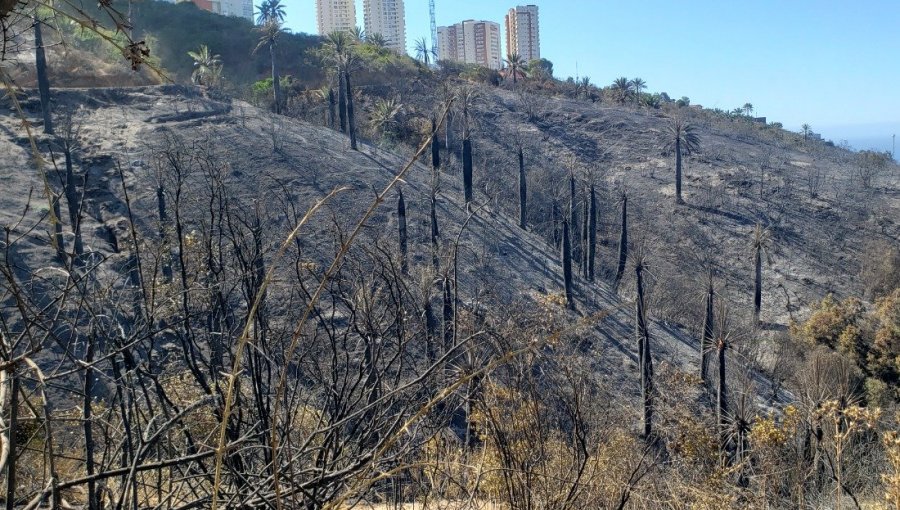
{"type": "Point", "coordinates": [338, 51]}
{"type": "Point", "coordinates": [207, 66]}
{"type": "Point", "coordinates": [358, 34]}
{"type": "Point", "coordinates": [638, 85]}
{"type": "Point", "coordinates": [748, 109]}
{"type": "Point", "coordinates": [270, 33]}
{"type": "Point", "coordinates": [377, 40]}
{"type": "Point", "coordinates": [682, 140]}
{"type": "Point", "coordinates": [268, 11]}
{"type": "Point", "coordinates": [624, 89]}
{"type": "Point", "coordinates": [424, 53]}
{"type": "Point", "coordinates": [516, 66]}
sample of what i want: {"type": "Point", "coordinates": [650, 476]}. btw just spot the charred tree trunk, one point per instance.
{"type": "Point", "coordinates": [73, 198]}
{"type": "Point", "coordinates": [645, 358]}
{"type": "Point", "coordinates": [573, 216]}
{"type": "Point", "coordinates": [276, 80]}
{"type": "Point", "coordinates": [163, 234]}
{"type": "Point", "coordinates": [706, 338]}
{"type": "Point", "coordinates": [557, 236]}
{"type": "Point", "coordinates": [523, 192]}
{"type": "Point", "coordinates": [567, 264]}
{"type": "Point", "coordinates": [435, 146]}
{"type": "Point", "coordinates": [678, 170]}
{"type": "Point", "coordinates": [342, 102]}
{"type": "Point", "coordinates": [43, 80]}
{"type": "Point", "coordinates": [585, 221]}
{"type": "Point", "coordinates": [431, 328]}
{"type": "Point", "coordinates": [12, 437]}
{"type": "Point", "coordinates": [592, 235]}
{"type": "Point", "coordinates": [447, 315]}
{"type": "Point", "coordinates": [59, 240]}
{"type": "Point", "coordinates": [435, 233]}
{"type": "Point", "coordinates": [467, 170]}
{"type": "Point", "coordinates": [351, 118]}
{"type": "Point", "coordinates": [623, 241]}
{"type": "Point", "coordinates": [722, 397]}
{"type": "Point", "coordinates": [401, 221]}
{"type": "Point", "coordinates": [93, 502]}
{"type": "Point", "coordinates": [331, 106]}
{"type": "Point", "coordinates": [757, 285]}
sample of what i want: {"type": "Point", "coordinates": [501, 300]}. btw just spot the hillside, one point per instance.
{"type": "Point", "coordinates": [208, 305]}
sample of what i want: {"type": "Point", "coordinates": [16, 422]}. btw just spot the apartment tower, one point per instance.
{"type": "Point", "coordinates": [386, 18]}
{"type": "Point", "coordinates": [471, 42]}
{"type": "Point", "coordinates": [335, 16]}
{"type": "Point", "coordinates": [523, 33]}
{"type": "Point", "coordinates": [239, 8]}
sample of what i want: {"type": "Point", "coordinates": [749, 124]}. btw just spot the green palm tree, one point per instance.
{"type": "Point", "coordinates": [270, 10]}
{"type": "Point", "coordinates": [682, 139]}
{"type": "Point", "coordinates": [424, 53]}
{"type": "Point", "coordinates": [806, 129]}
{"type": "Point", "coordinates": [269, 38]}
{"type": "Point", "coordinates": [358, 34]}
{"type": "Point", "coordinates": [639, 85]}
{"type": "Point", "coordinates": [748, 109]}
{"type": "Point", "coordinates": [384, 115]}
{"type": "Point", "coordinates": [624, 87]}
{"type": "Point", "coordinates": [207, 67]}
{"type": "Point", "coordinates": [377, 40]}
{"type": "Point", "coordinates": [516, 65]}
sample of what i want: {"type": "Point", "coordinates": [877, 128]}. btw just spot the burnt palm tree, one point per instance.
{"type": "Point", "coordinates": [516, 65]}
{"type": "Point", "coordinates": [645, 356]}
{"type": "Point", "coordinates": [271, 30]}
{"type": "Point", "coordinates": [682, 139]}
{"type": "Point", "coordinates": [706, 337]}
{"type": "Point", "coordinates": [338, 52]}
{"type": "Point", "coordinates": [623, 241]}
{"type": "Point", "coordinates": [761, 242]}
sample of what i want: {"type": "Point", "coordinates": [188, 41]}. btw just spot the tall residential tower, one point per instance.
{"type": "Point", "coordinates": [472, 42]}
{"type": "Point", "coordinates": [523, 33]}
{"type": "Point", "coordinates": [387, 18]}
{"type": "Point", "coordinates": [335, 16]}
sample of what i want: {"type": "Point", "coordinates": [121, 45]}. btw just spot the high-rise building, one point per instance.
{"type": "Point", "coordinates": [472, 42]}
{"type": "Point", "coordinates": [335, 16]}
{"type": "Point", "coordinates": [523, 35]}
{"type": "Point", "coordinates": [238, 8]}
{"type": "Point", "coordinates": [386, 18]}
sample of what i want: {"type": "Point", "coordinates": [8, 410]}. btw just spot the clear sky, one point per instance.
{"type": "Point", "coordinates": [832, 64]}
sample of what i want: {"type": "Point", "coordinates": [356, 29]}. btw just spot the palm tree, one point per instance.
{"type": "Point", "coordinates": [683, 140]}
{"type": "Point", "coordinates": [583, 86]}
{"type": "Point", "coordinates": [806, 129]}
{"type": "Point", "coordinates": [424, 52]}
{"type": "Point", "coordinates": [762, 240]}
{"type": "Point", "coordinates": [645, 355]}
{"type": "Point", "coordinates": [270, 10]}
{"type": "Point", "coordinates": [377, 40]}
{"type": "Point", "coordinates": [624, 87]}
{"type": "Point", "coordinates": [270, 32]}
{"type": "Point", "coordinates": [516, 65]}
{"type": "Point", "coordinates": [207, 67]}
{"type": "Point", "coordinates": [384, 115]}
{"type": "Point", "coordinates": [748, 109]}
{"type": "Point", "coordinates": [338, 52]}
{"type": "Point", "coordinates": [358, 34]}
{"type": "Point", "coordinates": [639, 85]}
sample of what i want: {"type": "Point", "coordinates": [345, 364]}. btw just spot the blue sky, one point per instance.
{"type": "Point", "coordinates": [832, 64]}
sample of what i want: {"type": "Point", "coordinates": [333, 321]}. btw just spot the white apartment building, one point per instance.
{"type": "Point", "coordinates": [335, 16]}
{"type": "Point", "coordinates": [471, 42]}
{"type": "Point", "coordinates": [388, 19]}
{"type": "Point", "coordinates": [239, 8]}
{"type": "Point", "coordinates": [523, 36]}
